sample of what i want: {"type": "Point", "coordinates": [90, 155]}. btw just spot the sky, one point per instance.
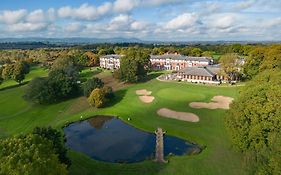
{"type": "Point", "coordinates": [161, 20]}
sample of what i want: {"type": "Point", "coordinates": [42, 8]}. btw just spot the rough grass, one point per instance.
{"type": "Point", "coordinates": [17, 116]}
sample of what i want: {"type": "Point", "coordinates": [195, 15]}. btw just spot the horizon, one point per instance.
{"type": "Point", "coordinates": [154, 20]}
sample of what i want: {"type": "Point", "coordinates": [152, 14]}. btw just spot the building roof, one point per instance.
{"type": "Point", "coordinates": [199, 71]}
{"type": "Point", "coordinates": [214, 68]}
{"type": "Point", "coordinates": [201, 59]}
{"type": "Point", "coordinates": [168, 56]}
{"type": "Point", "coordinates": [115, 56]}
{"type": "Point", "coordinates": [179, 57]}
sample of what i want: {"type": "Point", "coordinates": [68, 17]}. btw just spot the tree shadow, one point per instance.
{"type": "Point", "coordinates": [14, 86]}
{"type": "Point", "coordinates": [118, 96]}
{"type": "Point", "coordinates": [152, 75]}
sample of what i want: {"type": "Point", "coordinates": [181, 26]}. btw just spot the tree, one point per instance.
{"type": "Point", "coordinates": [134, 66]}
{"type": "Point", "coordinates": [60, 84]}
{"type": "Point", "coordinates": [272, 58]}
{"type": "Point", "coordinates": [109, 94]}
{"type": "Point", "coordinates": [92, 84]}
{"type": "Point", "coordinates": [19, 71]}
{"type": "Point", "coordinates": [57, 141]}
{"type": "Point", "coordinates": [253, 62]}
{"type": "Point", "coordinates": [197, 52]}
{"type": "Point", "coordinates": [30, 154]}
{"type": "Point", "coordinates": [208, 54]}
{"type": "Point", "coordinates": [7, 72]}
{"type": "Point", "coordinates": [39, 91]}
{"type": "Point", "coordinates": [93, 59]}
{"type": "Point", "coordinates": [254, 121]}
{"type": "Point", "coordinates": [230, 66]}
{"type": "Point", "coordinates": [1, 80]}
{"type": "Point", "coordinates": [97, 98]}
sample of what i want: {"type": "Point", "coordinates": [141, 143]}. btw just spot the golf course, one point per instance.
{"type": "Point", "coordinates": [218, 157]}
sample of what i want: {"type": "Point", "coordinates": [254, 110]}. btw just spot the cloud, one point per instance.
{"type": "Point", "coordinates": [73, 27]}
{"type": "Point", "coordinates": [223, 21]}
{"type": "Point", "coordinates": [183, 21]}
{"type": "Point", "coordinates": [84, 12]}
{"type": "Point", "coordinates": [125, 5]}
{"type": "Point", "coordinates": [276, 22]}
{"type": "Point", "coordinates": [139, 25]}
{"type": "Point", "coordinates": [36, 16]}
{"type": "Point", "coordinates": [244, 5]}
{"type": "Point", "coordinates": [26, 27]}
{"type": "Point", "coordinates": [12, 17]}
{"type": "Point", "coordinates": [160, 2]}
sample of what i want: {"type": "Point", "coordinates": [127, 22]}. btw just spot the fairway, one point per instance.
{"type": "Point", "coordinates": [18, 116]}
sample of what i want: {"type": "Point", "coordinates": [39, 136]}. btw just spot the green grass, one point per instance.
{"type": "Point", "coordinates": [217, 56]}
{"type": "Point", "coordinates": [34, 72]}
{"type": "Point", "coordinates": [18, 116]}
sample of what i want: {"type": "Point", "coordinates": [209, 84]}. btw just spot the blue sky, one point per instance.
{"type": "Point", "coordinates": [165, 20]}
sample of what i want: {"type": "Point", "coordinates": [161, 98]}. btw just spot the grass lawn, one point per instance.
{"type": "Point", "coordinates": [18, 116]}
{"type": "Point", "coordinates": [34, 72]}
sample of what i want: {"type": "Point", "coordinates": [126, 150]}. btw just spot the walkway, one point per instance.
{"type": "Point", "coordinates": [159, 150]}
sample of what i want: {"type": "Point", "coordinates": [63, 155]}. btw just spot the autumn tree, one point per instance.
{"type": "Point", "coordinates": [97, 98]}
{"type": "Point", "coordinates": [93, 59]}
{"type": "Point", "coordinates": [100, 96]}
{"type": "Point", "coordinates": [30, 154]}
{"type": "Point", "coordinates": [19, 71]}
{"type": "Point", "coordinates": [7, 72]}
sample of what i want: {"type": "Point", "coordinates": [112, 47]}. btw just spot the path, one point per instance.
{"type": "Point", "coordinates": [159, 149]}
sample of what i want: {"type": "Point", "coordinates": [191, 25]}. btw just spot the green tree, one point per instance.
{"type": "Point", "coordinates": [230, 66]}
{"type": "Point", "coordinates": [197, 52]}
{"type": "Point", "coordinates": [57, 141]}
{"type": "Point", "coordinates": [1, 80]}
{"type": "Point", "coordinates": [109, 94]}
{"type": "Point", "coordinates": [253, 62]}
{"type": "Point", "coordinates": [134, 66]}
{"type": "Point", "coordinates": [92, 84]}
{"type": "Point", "coordinates": [60, 84]}
{"type": "Point", "coordinates": [29, 154]}
{"type": "Point", "coordinates": [254, 121]}
{"type": "Point", "coordinates": [208, 54]}
{"type": "Point", "coordinates": [39, 91]}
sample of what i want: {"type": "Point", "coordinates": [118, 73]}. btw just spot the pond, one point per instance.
{"type": "Point", "coordinates": [110, 139]}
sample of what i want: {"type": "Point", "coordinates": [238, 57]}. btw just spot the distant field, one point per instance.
{"type": "Point", "coordinates": [18, 116]}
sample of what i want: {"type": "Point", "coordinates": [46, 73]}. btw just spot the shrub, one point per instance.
{"type": "Point", "coordinates": [97, 98]}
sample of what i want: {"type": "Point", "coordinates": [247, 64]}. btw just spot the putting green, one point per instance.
{"type": "Point", "coordinates": [179, 94]}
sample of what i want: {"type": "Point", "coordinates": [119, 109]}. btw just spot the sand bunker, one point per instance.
{"type": "Point", "coordinates": [145, 95]}
{"type": "Point", "coordinates": [143, 92]}
{"type": "Point", "coordinates": [146, 99]}
{"type": "Point", "coordinates": [185, 116]}
{"type": "Point", "coordinates": [219, 102]}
